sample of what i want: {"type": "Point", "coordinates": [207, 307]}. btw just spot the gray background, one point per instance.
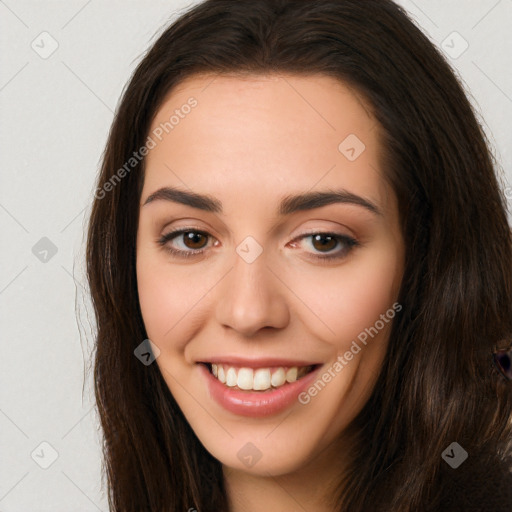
{"type": "Point", "coordinates": [56, 113]}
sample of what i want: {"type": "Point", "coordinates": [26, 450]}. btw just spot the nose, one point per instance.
{"type": "Point", "coordinates": [251, 298]}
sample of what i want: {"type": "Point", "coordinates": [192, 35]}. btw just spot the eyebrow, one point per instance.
{"type": "Point", "coordinates": [288, 205]}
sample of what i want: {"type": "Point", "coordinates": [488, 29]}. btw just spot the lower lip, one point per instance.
{"type": "Point", "coordinates": [256, 403]}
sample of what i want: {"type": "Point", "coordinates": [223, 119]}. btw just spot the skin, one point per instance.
{"type": "Point", "coordinates": [249, 142]}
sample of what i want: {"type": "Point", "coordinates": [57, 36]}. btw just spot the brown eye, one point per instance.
{"type": "Point", "coordinates": [185, 242]}
{"type": "Point", "coordinates": [194, 239]}
{"type": "Point", "coordinates": [329, 246]}
{"type": "Point", "coordinates": [322, 242]}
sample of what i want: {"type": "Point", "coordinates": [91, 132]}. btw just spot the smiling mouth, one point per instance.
{"type": "Point", "coordinates": [257, 379]}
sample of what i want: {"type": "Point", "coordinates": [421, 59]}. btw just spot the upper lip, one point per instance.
{"type": "Point", "coordinates": [264, 362]}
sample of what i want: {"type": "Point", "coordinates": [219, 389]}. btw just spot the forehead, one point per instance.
{"type": "Point", "coordinates": [266, 133]}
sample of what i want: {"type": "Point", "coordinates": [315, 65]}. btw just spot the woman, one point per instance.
{"type": "Point", "coordinates": [298, 208]}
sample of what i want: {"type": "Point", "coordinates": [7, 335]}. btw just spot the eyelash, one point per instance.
{"type": "Point", "coordinates": [348, 241]}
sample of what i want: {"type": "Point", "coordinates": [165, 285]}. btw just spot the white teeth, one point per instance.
{"type": "Point", "coordinates": [259, 379]}
{"type": "Point", "coordinates": [245, 378]}
{"type": "Point", "coordinates": [231, 378]}
{"type": "Point", "coordinates": [278, 378]}
{"type": "Point", "coordinates": [291, 374]}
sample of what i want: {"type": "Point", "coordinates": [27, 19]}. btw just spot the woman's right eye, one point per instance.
{"type": "Point", "coordinates": [192, 239]}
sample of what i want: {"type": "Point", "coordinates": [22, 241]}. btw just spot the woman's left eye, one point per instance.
{"type": "Point", "coordinates": [325, 243]}
{"type": "Point", "coordinates": [194, 242]}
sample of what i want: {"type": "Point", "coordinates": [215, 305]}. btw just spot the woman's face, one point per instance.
{"type": "Point", "coordinates": [284, 271]}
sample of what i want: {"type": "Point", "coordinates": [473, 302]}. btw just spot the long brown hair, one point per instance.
{"type": "Point", "coordinates": [438, 384]}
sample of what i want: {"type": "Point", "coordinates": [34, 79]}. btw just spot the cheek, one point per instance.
{"type": "Point", "coordinates": [157, 307]}
{"type": "Point", "coordinates": [345, 301]}
{"type": "Point", "coordinates": [170, 297]}
{"type": "Point", "coordinates": [159, 302]}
